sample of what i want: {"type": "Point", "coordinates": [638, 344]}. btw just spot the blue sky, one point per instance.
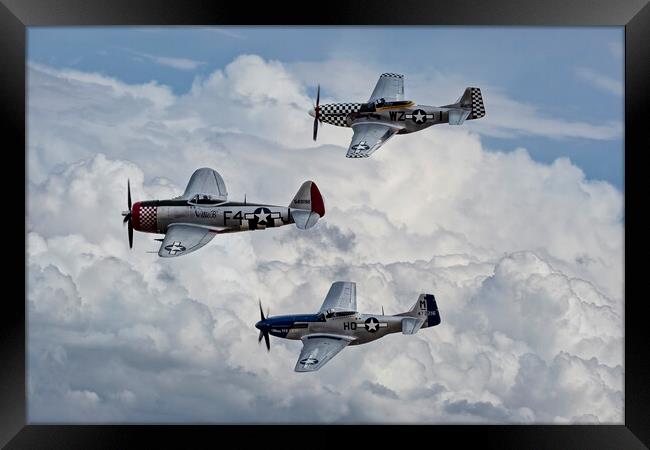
{"type": "Point", "coordinates": [574, 74]}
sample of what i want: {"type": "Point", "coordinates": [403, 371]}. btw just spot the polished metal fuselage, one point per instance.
{"type": "Point", "coordinates": [361, 327]}
{"type": "Point", "coordinates": [227, 217]}
{"type": "Point", "coordinates": [409, 119]}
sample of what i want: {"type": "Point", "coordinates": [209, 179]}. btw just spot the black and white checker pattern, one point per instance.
{"type": "Point", "coordinates": [360, 150]}
{"type": "Point", "coordinates": [391, 75]}
{"type": "Point", "coordinates": [353, 154]}
{"type": "Point", "coordinates": [148, 218]}
{"type": "Point", "coordinates": [337, 113]}
{"type": "Point", "coordinates": [478, 109]}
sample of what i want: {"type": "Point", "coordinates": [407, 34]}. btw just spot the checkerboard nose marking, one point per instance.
{"type": "Point", "coordinates": [337, 113]}
{"type": "Point", "coordinates": [144, 217]}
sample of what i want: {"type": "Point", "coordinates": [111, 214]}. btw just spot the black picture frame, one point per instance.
{"type": "Point", "coordinates": [16, 15]}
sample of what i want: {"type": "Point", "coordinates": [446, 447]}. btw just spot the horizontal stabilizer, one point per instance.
{"type": "Point", "coordinates": [458, 116]}
{"type": "Point", "coordinates": [411, 325]}
{"type": "Point", "coordinates": [304, 219]}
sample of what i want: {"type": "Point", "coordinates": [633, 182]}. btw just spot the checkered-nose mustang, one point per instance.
{"type": "Point", "coordinates": [203, 211]}
{"type": "Point", "coordinates": [338, 324]}
{"type": "Point", "coordinates": [386, 114]}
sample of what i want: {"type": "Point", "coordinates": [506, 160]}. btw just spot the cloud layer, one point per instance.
{"type": "Point", "coordinates": [600, 81]}
{"type": "Point", "coordinates": [175, 63]}
{"type": "Point", "coordinates": [525, 259]}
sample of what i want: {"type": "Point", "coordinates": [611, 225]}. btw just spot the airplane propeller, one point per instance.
{"type": "Point", "coordinates": [264, 332]}
{"type": "Point", "coordinates": [317, 113]}
{"type": "Point", "coordinates": [127, 214]}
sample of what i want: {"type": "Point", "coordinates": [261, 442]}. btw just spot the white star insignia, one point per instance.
{"type": "Point", "coordinates": [261, 217]}
{"type": "Point", "coordinates": [175, 248]}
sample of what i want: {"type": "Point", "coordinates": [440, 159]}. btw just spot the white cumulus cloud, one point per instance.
{"type": "Point", "coordinates": [525, 260]}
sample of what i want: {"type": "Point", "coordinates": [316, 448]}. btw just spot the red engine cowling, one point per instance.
{"type": "Point", "coordinates": [144, 218]}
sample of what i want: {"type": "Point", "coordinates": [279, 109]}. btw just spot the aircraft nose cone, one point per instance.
{"type": "Point", "coordinates": [312, 112]}
{"type": "Point", "coordinates": [259, 325]}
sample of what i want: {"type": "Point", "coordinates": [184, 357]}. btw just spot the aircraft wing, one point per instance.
{"type": "Point", "coordinates": [390, 86]}
{"type": "Point", "coordinates": [182, 239]}
{"type": "Point", "coordinates": [368, 137]}
{"type": "Point", "coordinates": [208, 182]}
{"type": "Point", "coordinates": [342, 296]}
{"type": "Point", "coordinates": [318, 349]}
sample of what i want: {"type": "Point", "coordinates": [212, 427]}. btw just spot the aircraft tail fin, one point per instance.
{"type": "Point", "coordinates": [473, 99]}
{"type": "Point", "coordinates": [468, 107]}
{"type": "Point", "coordinates": [307, 206]}
{"type": "Point", "coordinates": [424, 314]}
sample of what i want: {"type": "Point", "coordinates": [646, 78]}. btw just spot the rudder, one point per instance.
{"type": "Point", "coordinates": [473, 99]}
{"type": "Point", "coordinates": [307, 206]}
{"type": "Point", "coordinates": [423, 314]}
{"type": "Point", "coordinates": [426, 306]}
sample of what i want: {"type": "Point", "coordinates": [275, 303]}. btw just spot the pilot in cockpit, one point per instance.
{"type": "Point", "coordinates": [205, 199]}
{"type": "Point", "coordinates": [330, 313]}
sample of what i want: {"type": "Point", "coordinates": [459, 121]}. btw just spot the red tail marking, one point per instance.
{"type": "Point", "coordinates": [317, 204]}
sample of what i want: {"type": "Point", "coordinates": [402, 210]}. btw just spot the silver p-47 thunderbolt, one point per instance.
{"type": "Point", "coordinates": [338, 324]}
{"type": "Point", "coordinates": [203, 211]}
{"type": "Point", "coordinates": [386, 114]}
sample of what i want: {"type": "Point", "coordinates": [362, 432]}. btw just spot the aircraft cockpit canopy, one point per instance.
{"type": "Point", "coordinates": [331, 313]}
{"type": "Point", "coordinates": [382, 103]}
{"type": "Point", "coordinates": [205, 199]}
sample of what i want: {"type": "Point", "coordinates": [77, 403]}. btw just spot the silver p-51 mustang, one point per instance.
{"type": "Point", "coordinates": [203, 211]}
{"type": "Point", "coordinates": [338, 324]}
{"type": "Point", "coordinates": [386, 114]}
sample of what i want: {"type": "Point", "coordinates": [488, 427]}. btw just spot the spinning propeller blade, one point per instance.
{"type": "Point", "coordinates": [317, 113]}
{"type": "Point", "coordinates": [261, 312]}
{"type": "Point", "coordinates": [127, 214]}
{"type": "Point", "coordinates": [128, 193]}
{"type": "Point", "coordinates": [264, 331]}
